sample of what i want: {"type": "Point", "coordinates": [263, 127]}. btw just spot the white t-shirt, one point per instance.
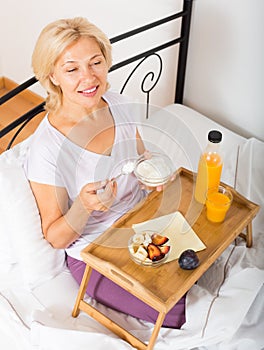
{"type": "Point", "coordinates": [55, 160]}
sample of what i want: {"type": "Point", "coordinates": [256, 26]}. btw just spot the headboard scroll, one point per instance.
{"type": "Point", "coordinates": [152, 76]}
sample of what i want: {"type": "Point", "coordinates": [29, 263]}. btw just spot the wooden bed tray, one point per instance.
{"type": "Point", "coordinates": [163, 286]}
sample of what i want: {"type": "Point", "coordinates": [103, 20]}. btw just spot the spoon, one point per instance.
{"type": "Point", "coordinates": [127, 169]}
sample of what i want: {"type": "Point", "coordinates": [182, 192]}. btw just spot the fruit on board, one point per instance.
{"type": "Point", "coordinates": [188, 260]}
{"type": "Point", "coordinates": [165, 249]}
{"type": "Point", "coordinates": [158, 239]}
{"type": "Point", "coordinates": [146, 250]}
{"type": "Point", "coordinates": [154, 252]}
{"type": "Point", "coordinates": [141, 253]}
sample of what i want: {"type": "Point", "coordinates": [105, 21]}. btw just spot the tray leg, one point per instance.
{"type": "Point", "coordinates": [120, 331]}
{"type": "Point", "coordinates": [80, 304]}
{"type": "Point", "coordinates": [248, 237]}
{"type": "Point", "coordinates": [82, 290]}
{"type": "Point", "coordinates": [112, 326]}
{"type": "Point", "coordinates": [156, 330]}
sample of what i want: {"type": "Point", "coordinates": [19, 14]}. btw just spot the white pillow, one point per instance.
{"type": "Point", "coordinates": [182, 132]}
{"type": "Point", "coordinates": [21, 234]}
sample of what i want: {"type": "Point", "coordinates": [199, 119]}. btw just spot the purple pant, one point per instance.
{"type": "Point", "coordinates": [110, 294]}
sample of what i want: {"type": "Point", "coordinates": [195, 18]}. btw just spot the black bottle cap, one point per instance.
{"type": "Point", "coordinates": [215, 136]}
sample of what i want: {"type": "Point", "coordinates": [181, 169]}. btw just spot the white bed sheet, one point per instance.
{"type": "Point", "coordinates": [224, 309]}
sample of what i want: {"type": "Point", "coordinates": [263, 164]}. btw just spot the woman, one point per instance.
{"type": "Point", "coordinates": [86, 136]}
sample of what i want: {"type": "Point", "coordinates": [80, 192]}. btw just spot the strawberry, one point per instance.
{"type": "Point", "coordinates": [165, 249]}
{"type": "Point", "coordinates": [154, 252]}
{"type": "Point", "coordinates": [159, 240]}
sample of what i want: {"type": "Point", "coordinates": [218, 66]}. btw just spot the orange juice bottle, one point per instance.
{"type": "Point", "coordinates": [209, 167]}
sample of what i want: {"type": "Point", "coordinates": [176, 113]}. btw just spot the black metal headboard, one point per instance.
{"type": "Point", "coordinates": [182, 41]}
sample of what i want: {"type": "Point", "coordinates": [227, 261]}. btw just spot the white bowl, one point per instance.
{"type": "Point", "coordinates": [139, 260]}
{"type": "Point", "coordinates": [153, 170]}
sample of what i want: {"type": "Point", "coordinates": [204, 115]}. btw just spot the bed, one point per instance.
{"type": "Point", "coordinates": [37, 293]}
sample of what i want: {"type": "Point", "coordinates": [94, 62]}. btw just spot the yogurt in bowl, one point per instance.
{"type": "Point", "coordinates": [153, 170]}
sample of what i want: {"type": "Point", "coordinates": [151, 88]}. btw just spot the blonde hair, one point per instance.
{"type": "Point", "coordinates": [52, 41]}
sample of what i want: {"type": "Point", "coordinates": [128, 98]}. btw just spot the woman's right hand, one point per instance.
{"type": "Point", "coordinates": [98, 195]}
{"type": "Point", "coordinates": [62, 225]}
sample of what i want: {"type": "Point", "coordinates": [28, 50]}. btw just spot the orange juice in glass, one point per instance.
{"type": "Point", "coordinates": [218, 201]}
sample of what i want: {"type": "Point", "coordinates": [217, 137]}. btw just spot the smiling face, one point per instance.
{"type": "Point", "coordinates": [81, 73]}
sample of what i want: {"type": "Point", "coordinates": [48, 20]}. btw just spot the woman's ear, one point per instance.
{"type": "Point", "coordinates": [53, 79]}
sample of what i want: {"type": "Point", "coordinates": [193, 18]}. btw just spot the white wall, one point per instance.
{"type": "Point", "coordinates": [225, 75]}
{"type": "Point", "coordinates": [225, 71]}
{"type": "Point", "coordinates": [22, 21]}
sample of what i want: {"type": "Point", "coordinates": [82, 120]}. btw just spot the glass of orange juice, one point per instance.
{"type": "Point", "coordinates": [218, 201]}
